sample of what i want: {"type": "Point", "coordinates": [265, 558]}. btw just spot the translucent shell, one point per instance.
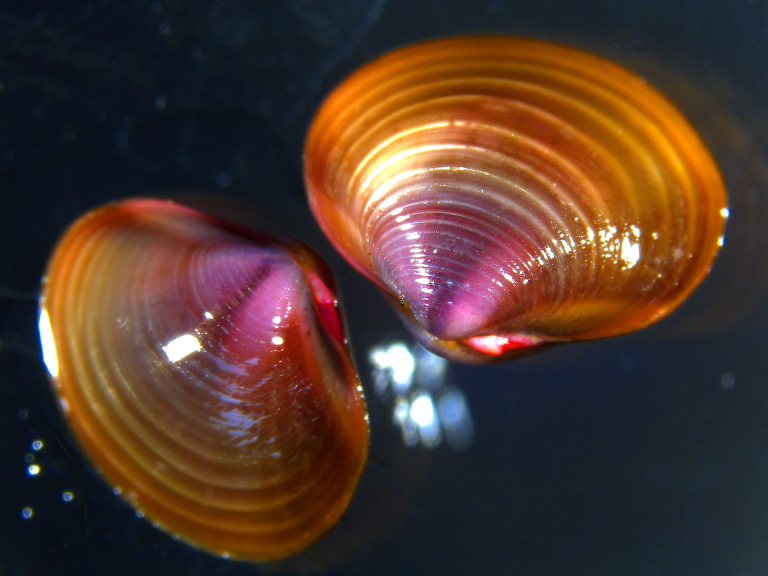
{"type": "Point", "coordinates": [205, 371]}
{"type": "Point", "coordinates": [507, 192]}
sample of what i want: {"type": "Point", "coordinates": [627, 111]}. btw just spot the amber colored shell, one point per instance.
{"type": "Point", "coordinates": [205, 372]}
{"type": "Point", "coordinates": [508, 192]}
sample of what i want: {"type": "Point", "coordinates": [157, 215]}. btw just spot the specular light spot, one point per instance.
{"type": "Point", "coordinates": [27, 512]}
{"type": "Point", "coordinates": [208, 315]}
{"type": "Point", "coordinates": [401, 418]}
{"type": "Point", "coordinates": [724, 212]}
{"type": "Point", "coordinates": [46, 341]}
{"type": "Point", "coordinates": [33, 470]}
{"type": "Point", "coordinates": [67, 496]}
{"type": "Point", "coordinates": [507, 277]}
{"type": "Point", "coordinates": [630, 252]}
{"type": "Point", "coordinates": [400, 360]}
{"type": "Point", "coordinates": [423, 410]}
{"type": "Point", "coordinates": [37, 445]}
{"type": "Point", "coordinates": [276, 320]}
{"type": "Point", "coordinates": [181, 347]}
{"type": "Point", "coordinates": [425, 417]}
{"type": "Point", "coordinates": [277, 341]}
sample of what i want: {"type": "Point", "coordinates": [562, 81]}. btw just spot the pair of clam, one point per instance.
{"type": "Point", "coordinates": [504, 193]}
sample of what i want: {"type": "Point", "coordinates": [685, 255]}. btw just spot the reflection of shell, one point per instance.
{"type": "Point", "coordinates": [507, 192]}
{"type": "Point", "coordinates": [205, 371]}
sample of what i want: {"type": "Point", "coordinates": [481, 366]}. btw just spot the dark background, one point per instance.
{"type": "Point", "coordinates": [642, 455]}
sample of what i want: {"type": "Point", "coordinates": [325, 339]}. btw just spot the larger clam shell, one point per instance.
{"type": "Point", "coordinates": [507, 192]}
{"type": "Point", "coordinates": [205, 371]}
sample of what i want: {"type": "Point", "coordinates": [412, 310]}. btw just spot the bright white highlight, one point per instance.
{"type": "Point", "coordinates": [630, 252]}
{"type": "Point", "coordinates": [181, 347]}
{"type": "Point", "coordinates": [277, 341]}
{"type": "Point", "coordinates": [46, 341]}
{"type": "Point", "coordinates": [424, 415]}
{"type": "Point", "coordinates": [399, 361]}
{"type": "Point", "coordinates": [423, 411]}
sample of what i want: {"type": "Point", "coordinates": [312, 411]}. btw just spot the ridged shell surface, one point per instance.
{"type": "Point", "coordinates": [205, 372]}
{"type": "Point", "coordinates": [508, 192]}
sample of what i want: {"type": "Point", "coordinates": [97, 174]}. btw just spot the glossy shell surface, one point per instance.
{"type": "Point", "coordinates": [205, 371]}
{"type": "Point", "coordinates": [508, 192]}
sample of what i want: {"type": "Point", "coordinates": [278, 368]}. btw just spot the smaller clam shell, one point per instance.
{"type": "Point", "coordinates": [205, 372]}
{"type": "Point", "coordinates": [508, 192]}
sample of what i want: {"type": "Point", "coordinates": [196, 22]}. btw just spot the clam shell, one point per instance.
{"type": "Point", "coordinates": [506, 193]}
{"type": "Point", "coordinates": [204, 370]}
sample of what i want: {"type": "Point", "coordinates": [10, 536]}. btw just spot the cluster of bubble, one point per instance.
{"type": "Point", "coordinates": [424, 406]}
